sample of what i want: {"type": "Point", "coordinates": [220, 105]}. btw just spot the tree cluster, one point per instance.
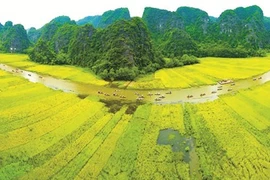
{"type": "Point", "coordinates": [121, 51]}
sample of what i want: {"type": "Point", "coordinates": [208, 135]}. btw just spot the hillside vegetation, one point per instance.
{"type": "Point", "coordinates": [13, 38]}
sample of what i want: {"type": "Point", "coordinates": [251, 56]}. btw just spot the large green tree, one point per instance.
{"type": "Point", "coordinates": [42, 53]}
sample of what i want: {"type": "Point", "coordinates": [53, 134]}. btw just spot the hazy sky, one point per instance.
{"type": "Point", "coordinates": [36, 13]}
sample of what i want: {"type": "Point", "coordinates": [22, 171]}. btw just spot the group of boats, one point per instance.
{"type": "Point", "coordinates": [139, 97]}
{"type": "Point", "coordinates": [219, 88]}
{"type": "Point", "coordinates": [21, 71]}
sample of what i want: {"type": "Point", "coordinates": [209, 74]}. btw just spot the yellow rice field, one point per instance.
{"type": "Point", "coordinates": [73, 73]}
{"type": "Point", "coordinates": [209, 71]}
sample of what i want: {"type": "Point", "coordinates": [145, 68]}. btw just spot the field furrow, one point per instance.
{"type": "Point", "coordinates": [39, 151]}
{"type": "Point", "coordinates": [31, 132]}
{"type": "Point", "coordinates": [103, 153]}
{"type": "Point", "coordinates": [122, 162]}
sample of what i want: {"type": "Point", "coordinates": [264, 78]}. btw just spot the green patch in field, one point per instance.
{"type": "Point", "coordinates": [116, 105]}
{"type": "Point", "coordinates": [82, 96]}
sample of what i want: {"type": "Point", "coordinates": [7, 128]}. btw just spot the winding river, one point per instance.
{"type": "Point", "coordinates": [170, 96]}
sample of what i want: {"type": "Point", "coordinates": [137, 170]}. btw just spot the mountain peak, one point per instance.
{"type": "Point", "coordinates": [107, 18]}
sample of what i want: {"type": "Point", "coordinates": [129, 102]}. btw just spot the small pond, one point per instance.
{"type": "Point", "coordinates": [177, 142]}
{"type": "Point", "coordinates": [185, 145]}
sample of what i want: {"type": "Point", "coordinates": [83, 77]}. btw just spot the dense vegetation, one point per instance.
{"type": "Point", "coordinates": [241, 32]}
{"type": "Point", "coordinates": [117, 47]}
{"type": "Point", "coordinates": [121, 51]}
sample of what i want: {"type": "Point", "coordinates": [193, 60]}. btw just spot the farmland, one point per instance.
{"type": "Point", "coordinates": [73, 73]}
{"type": "Point", "coordinates": [48, 134]}
{"type": "Point", "coordinates": [209, 71]}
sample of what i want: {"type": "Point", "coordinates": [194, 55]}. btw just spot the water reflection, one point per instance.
{"type": "Point", "coordinates": [193, 95]}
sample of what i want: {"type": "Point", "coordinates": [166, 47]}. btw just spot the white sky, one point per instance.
{"type": "Point", "coordinates": [36, 13]}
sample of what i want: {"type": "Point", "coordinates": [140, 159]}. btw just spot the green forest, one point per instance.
{"type": "Point", "coordinates": [116, 46]}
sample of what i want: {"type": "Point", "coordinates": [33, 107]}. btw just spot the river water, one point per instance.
{"type": "Point", "coordinates": [194, 94]}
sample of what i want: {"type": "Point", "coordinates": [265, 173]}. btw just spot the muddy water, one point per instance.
{"type": "Point", "coordinates": [170, 96]}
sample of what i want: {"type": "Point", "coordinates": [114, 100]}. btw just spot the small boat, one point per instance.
{"type": "Point", "coordinates": [162, 96]}
{"type": "Point", "coordinates": [189, 96]}
{"type": "Point", "coordinates": [226, 81]}
{"type": "Point", "coordinates": [170, 92]}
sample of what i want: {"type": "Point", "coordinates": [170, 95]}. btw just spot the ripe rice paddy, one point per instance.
{"type": "Point", "coordinates": [73, 73]}
{"type": "Point", "coordinates": [209, 71]}
{"type": "Point", "coordinates": [48, 134]}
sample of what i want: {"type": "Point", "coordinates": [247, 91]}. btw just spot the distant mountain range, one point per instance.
{"type": "Point", "coordinates": [114, 40]}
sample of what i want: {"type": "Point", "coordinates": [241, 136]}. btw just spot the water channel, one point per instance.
{"type": "Point", "coordinates": [169, 96]}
